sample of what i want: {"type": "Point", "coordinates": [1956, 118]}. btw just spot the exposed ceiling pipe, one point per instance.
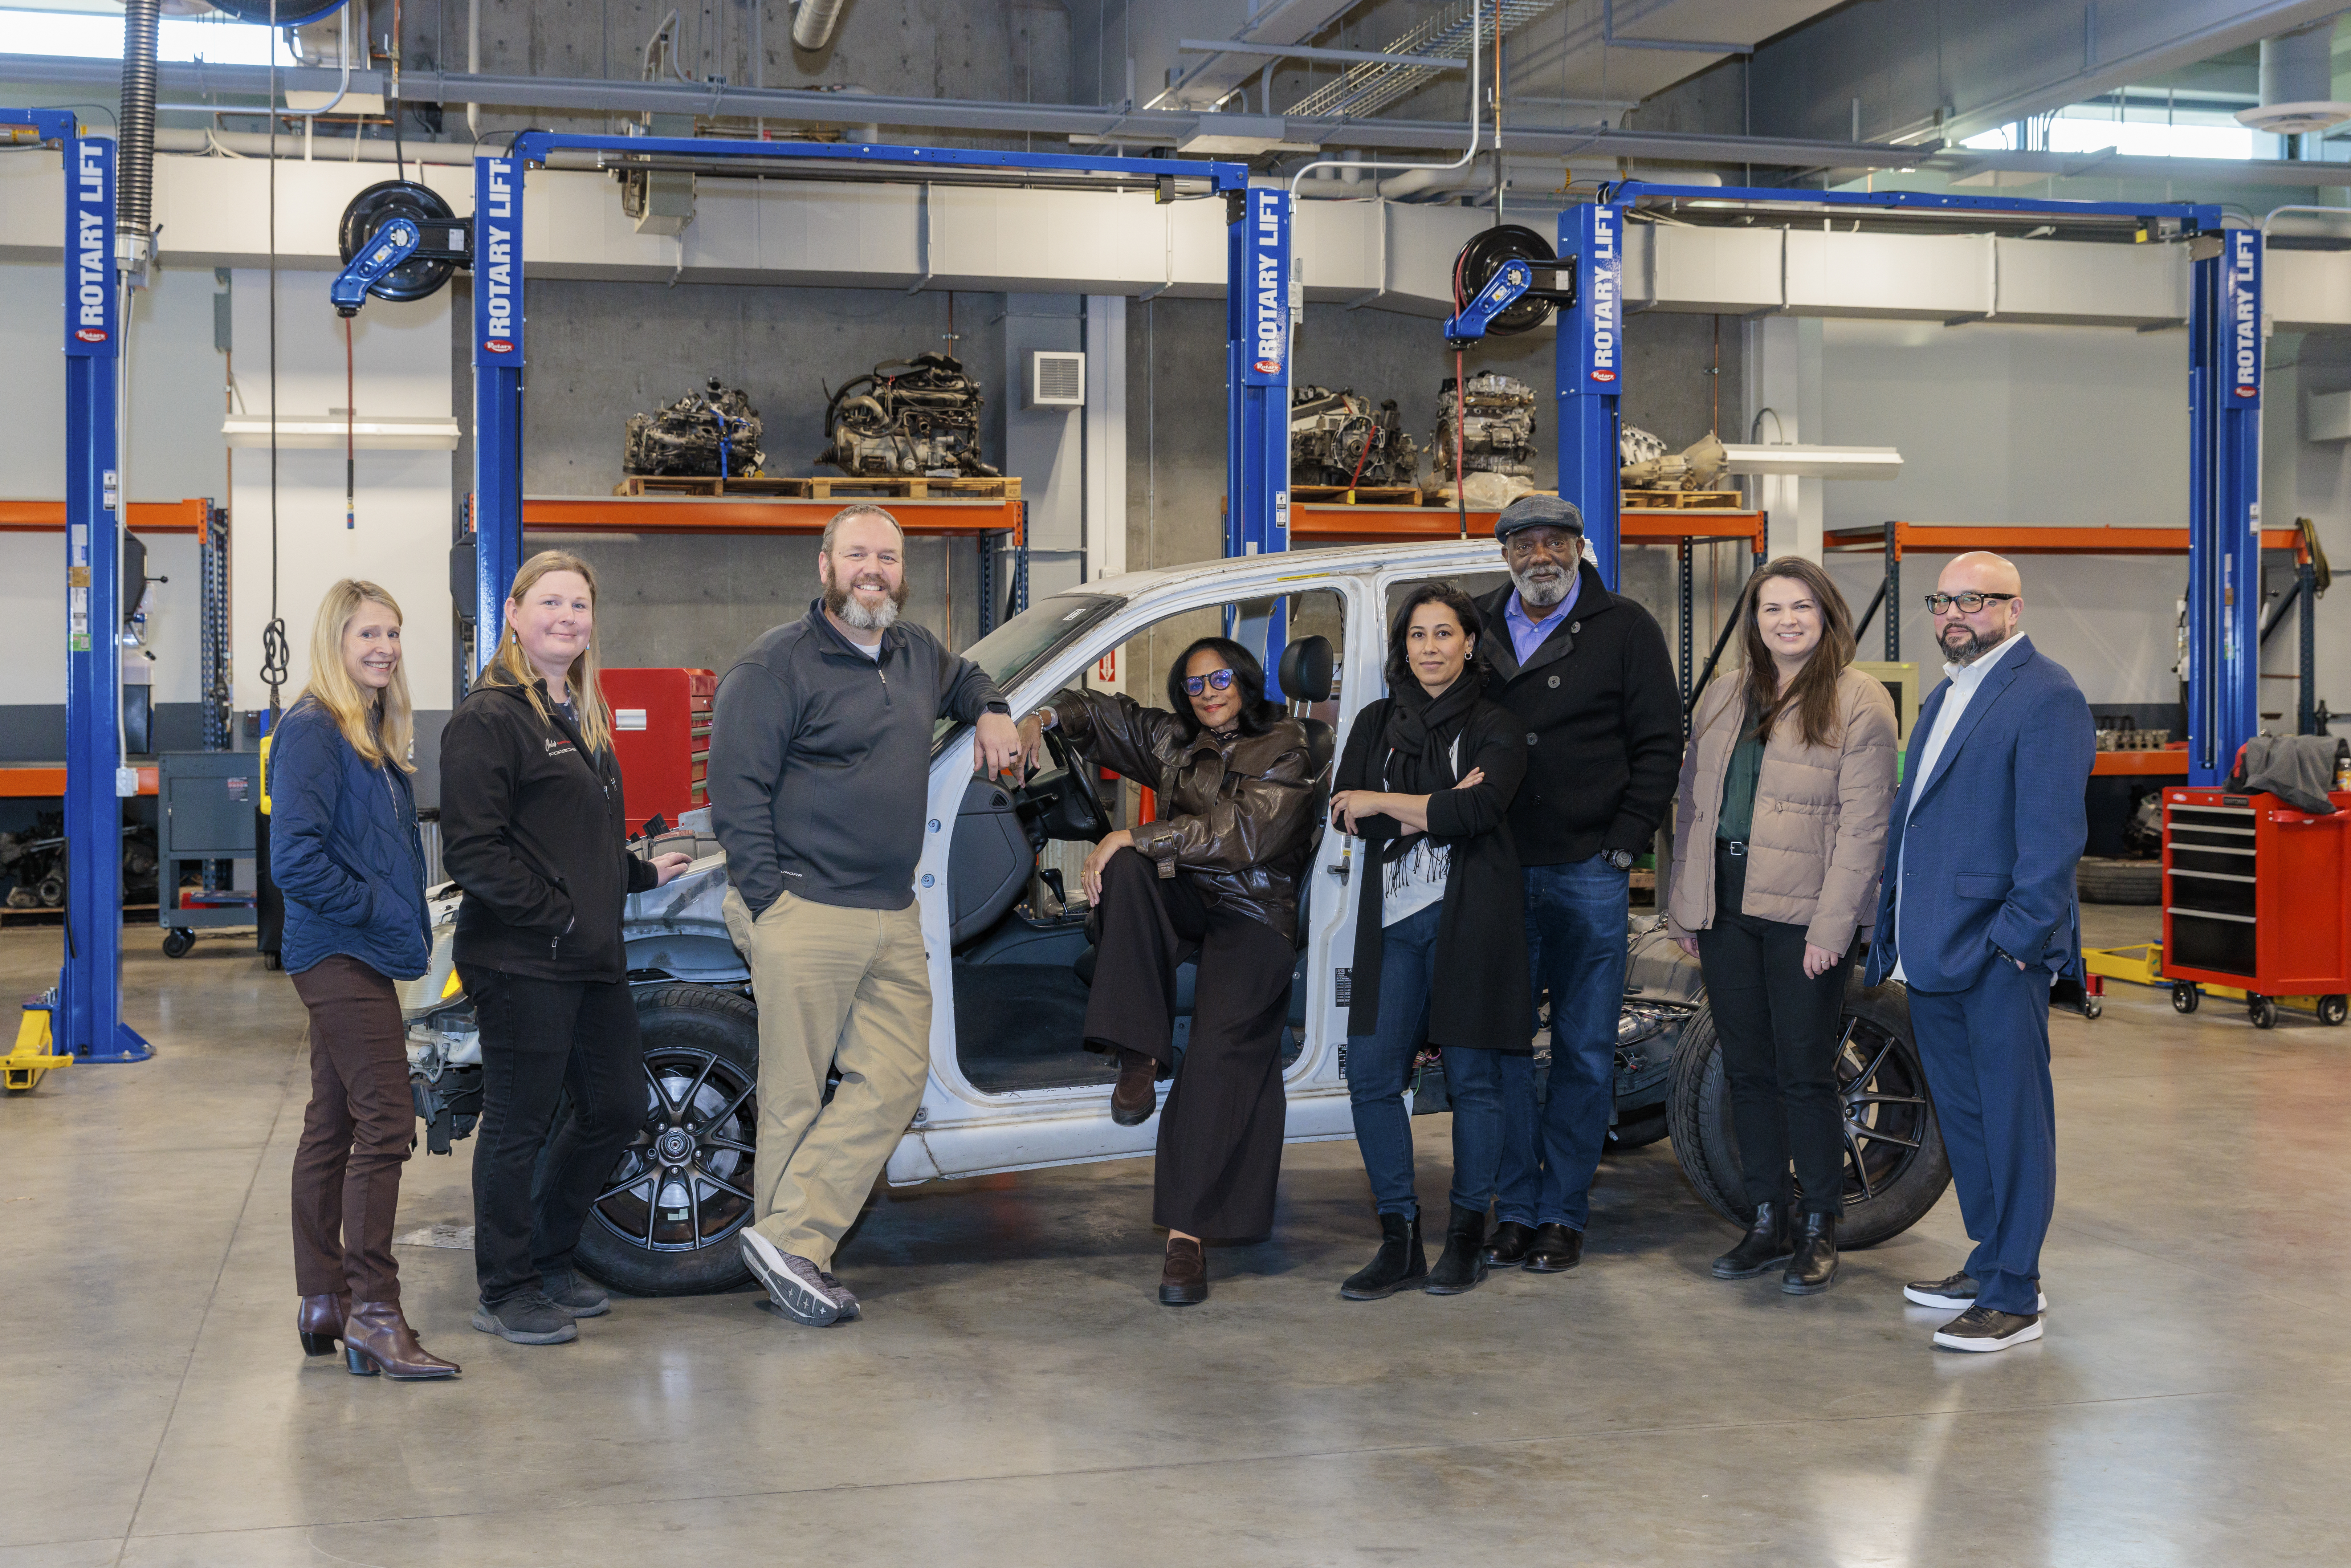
{"type": "Point", "coordinates": [2298, 83]}
{"type": "Point", "coordinates": [813, 22]}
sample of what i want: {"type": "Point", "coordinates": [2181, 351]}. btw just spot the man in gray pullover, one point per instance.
{"type": "Point", "coordinates": [817, 778]}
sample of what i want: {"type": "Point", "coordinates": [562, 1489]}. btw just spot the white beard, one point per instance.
{"type": "Point", "coordinates": [1542, 595]}
{"type": "Point", "coordinates": [878, 617]}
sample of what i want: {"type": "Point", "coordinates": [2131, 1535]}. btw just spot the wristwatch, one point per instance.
{"type": "Point", "coordinates": [1621, 859]}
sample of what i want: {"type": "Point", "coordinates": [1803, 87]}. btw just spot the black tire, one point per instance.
{"type": "Point", "coordinates": [1895, 1169]}
{"type": "Point", "coordinates": [2100, 880]}
{"type": "Point", "coordinates": [702, 1069]}
{"type": "Point", "coordinates": [178, 942]}
{"type": "Point", "coordinates": [2332, 1011]}
{"type": "Point", "coordinates": [2264, 1011]}
{"type": "Point", "coordinates": [1641, 1129]}
{"type": "Point", "coordinates": [2184, 997]}
{"type": "Point", "coordinates": [2092, 1007]}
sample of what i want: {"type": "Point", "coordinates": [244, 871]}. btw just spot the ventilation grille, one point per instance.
{"type": "Point", "coordinates": [1057, 380]}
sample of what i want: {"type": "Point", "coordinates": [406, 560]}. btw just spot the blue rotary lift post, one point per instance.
{"type": "Point", "coordinates": [2225, 350]}
{"type": "Point", "coordinates": [86, 1018]}
{"type": "Point", "coordinates": [1260, 472]}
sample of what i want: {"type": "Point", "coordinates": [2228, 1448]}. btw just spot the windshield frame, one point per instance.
{"type": "Point", "coordinates": [1093, 610]}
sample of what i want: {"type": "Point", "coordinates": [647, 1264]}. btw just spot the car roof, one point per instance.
{"type": "Point", "coordinates": [1242, 573]}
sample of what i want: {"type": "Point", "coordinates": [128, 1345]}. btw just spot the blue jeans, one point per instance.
{"type": "Point", "coordinates": [1378, 1065]}
{"type": "Point", "coordinates": [1576, 950]}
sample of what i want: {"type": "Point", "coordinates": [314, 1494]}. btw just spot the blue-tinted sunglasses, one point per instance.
{"type": "Point", "coordinates": [1220, 679]}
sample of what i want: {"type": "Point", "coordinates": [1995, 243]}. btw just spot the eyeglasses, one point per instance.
{"type": "Point", "coordinates": [1220, 679]}
{"type": "Point", "coordinates": [1969, 603]}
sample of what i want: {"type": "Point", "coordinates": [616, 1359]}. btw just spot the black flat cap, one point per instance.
{"type": "Point", "coordinates": [1538, 512]}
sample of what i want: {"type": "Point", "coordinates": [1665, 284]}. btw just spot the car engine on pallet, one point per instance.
{"type": "Point", "coordinates": [1646, 465]}
{"type": "Point", "coordinates": [910, 418]}
{"type": "Point", "coordinates": [1497, 415]}
{"type": "Point", "coordinates": [709, 435]}
{"type": "Point", "coordinates": [1338, 438]}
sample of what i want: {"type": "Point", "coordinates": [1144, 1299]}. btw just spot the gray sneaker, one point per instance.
{"type": "Point", "coordinates": [801, 1291]}
{"type": "Point", "coordinates": [575, 1294]}
{"type": "Point", "coordinates": [527, 1318]}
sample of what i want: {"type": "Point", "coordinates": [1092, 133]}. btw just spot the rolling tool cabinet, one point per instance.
{"type": "Point", "coordinates": [661, 737]}
{"type": "Point", "coordinates": [2256, 898]}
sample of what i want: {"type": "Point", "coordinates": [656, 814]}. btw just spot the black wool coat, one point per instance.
{"type": "Point", "coordinates": [1597, 707]}
{"type": "Point", "coordinates": [1480, 997]}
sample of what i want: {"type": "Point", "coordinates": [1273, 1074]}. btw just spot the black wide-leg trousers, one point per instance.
{"type": "Point", "coordinates": [1221, 1127]}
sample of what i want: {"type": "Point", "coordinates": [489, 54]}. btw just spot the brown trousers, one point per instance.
{"type": "Point", "coordinates": [356, 1134]}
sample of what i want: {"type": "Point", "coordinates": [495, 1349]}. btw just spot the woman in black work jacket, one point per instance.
{"type": "Point", "coordinates": [534, 831]}
{"type": "Point", "coordinates": [1440, 930]}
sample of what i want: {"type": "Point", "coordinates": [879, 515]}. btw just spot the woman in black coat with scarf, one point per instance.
{"type": "Point", "coordinates": [1440, 933]}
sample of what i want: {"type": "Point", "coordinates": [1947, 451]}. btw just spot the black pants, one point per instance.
{"type": "Point", "coordinates": [1221, 1129]}
{"type": "Point", "coordinates": [540, 1039]}
{"type": "Point", "coordinates": [1779, 1034]}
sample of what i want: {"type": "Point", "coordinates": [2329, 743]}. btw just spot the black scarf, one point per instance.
{"type": "Point", "coordinates": [1419, 737]}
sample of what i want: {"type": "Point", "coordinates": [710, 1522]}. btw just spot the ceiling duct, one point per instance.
{"type": "Point", "coordinates": [2298, 83]}
{"type": "Point", "coordinates": [1368, 88]}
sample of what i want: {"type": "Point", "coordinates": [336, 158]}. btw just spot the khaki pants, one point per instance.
{"type": "Point", "coordinates": [836, 987]}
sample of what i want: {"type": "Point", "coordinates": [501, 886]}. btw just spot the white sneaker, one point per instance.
{"type": "Point", "coordinates": [1983, 1329]}
{"type": "Point", "coordinates": [1955, 1293]}
{"type": "Point", "coordinates": [801, 1291]}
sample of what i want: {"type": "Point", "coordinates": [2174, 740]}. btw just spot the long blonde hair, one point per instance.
{"type": "Point", "coordinates": [510, 667]}
{"type": "Point", "coordinates": [379, 725]}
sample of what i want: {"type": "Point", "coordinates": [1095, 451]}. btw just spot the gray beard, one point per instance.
{"type": "Point", "coordinates": [1974, 648]}
{"type": "Point", "coordinates": [855, 615]}
{"type": "Point", "coordinates": [1541, 596]}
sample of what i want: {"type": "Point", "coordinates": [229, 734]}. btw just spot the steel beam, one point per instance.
{"type": "Point", "coordinates": [1590, 376]}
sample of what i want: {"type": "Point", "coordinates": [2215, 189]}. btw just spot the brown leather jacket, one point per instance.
{"type": "Point", "coordinates": [1236, 812]}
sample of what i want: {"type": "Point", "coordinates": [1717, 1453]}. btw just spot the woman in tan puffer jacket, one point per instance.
{"type": "Point", "coordinates": [1780, 826]}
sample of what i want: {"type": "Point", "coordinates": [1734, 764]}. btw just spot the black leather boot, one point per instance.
{"type": "Point", "coordinates": [1399, 1261]}
{"type": "Point", "coordinates": [1814, 1267]}
{"type": "Point", "coordinates": [1768, 1242]}
{"type": "Point", "coordinates": [1462, 1265]}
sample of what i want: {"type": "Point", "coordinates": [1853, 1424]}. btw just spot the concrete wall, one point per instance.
{"type": "Point", "coordinates": [2305, 478]}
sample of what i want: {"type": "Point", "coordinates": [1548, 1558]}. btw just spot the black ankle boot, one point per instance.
{"type": "Point", "coordinates": [1399, 1261]}
{"type": "Point", "coordinates": [1768, 1242]}
{"type": "Point", "coordinates": [1462, 1264]}
{"type": "Point", "coordinates": [1814, 1267]}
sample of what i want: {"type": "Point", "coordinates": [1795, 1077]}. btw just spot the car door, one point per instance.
{"type": "Point", "coordinates": [968, 1128]}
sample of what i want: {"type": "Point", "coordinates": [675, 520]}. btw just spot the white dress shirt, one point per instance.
{"type": "Point", "coordinates": [1964, 681]}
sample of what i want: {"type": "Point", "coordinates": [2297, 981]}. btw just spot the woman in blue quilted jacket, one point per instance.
{"type": "Point", "coordinates": [345, 851]}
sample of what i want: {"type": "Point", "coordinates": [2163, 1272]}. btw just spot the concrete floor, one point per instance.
{"type": "Point", "coordinates": [1015, 1395]}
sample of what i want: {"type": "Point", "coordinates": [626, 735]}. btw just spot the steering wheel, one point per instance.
{"type": "Point", "coordinates": [1082, 810]}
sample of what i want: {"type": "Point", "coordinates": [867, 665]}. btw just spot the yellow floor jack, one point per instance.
{"type": "Point", "coordinates": [35, 1054]}
{"type": "Point", "coordinates": [2141, 964]}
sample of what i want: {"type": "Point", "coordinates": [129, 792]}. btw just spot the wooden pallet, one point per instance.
{"type": "Point", "coordinates": [1684, 500]}
{"type": "Point", "coordinates": [1358, 494]}
{"type": "Point", "coordinates": [819, 488]}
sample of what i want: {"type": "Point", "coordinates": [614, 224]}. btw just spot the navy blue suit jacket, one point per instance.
{"type": "Point", "coordinates": [1985, 857]}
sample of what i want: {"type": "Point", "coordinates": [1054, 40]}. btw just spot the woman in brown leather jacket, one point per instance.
{"type": "Point", "coordinates": [1217, 873]}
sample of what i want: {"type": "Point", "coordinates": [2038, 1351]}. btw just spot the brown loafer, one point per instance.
{"type": "Point", "coordinates": [320, 1322]}
{"type": "Point", "coordinates": [1184, 1280]}
{"type": "Point", "coordinates": [376, 1339]}
{"type": "Point", "coordinates": [1137, 1094]}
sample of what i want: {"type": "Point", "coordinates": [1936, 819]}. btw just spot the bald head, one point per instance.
{"type": "Point", "coordinates": [1966, 636]}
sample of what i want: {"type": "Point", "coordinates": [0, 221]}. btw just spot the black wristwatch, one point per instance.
{"type": "Point", "coordinates": [1621, 859]}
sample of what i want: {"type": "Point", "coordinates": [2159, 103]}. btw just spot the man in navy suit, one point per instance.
{"type": "Point", "coordinates": [1977, 916]}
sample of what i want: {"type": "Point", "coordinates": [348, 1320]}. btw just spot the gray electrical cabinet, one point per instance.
{"type": "Point", "coordinates": [207, 809]}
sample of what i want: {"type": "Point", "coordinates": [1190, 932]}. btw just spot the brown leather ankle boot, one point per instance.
{"type": "Point", "coordinates": [320, 1322]}
{"type": "Point", "coordinates": [376, 1338]}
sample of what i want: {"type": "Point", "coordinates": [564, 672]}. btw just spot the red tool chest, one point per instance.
{"type": "Point", "coordinates": [2257, 895]}
{"type": "Point", "coordinates": [661, 736]}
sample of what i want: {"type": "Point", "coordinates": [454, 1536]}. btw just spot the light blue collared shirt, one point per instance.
{"type": "Point", "coordinates": [1527, 633]}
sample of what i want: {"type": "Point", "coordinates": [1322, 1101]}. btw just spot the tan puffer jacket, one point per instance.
{"type": "Point", "coordinates": [1819, 832]}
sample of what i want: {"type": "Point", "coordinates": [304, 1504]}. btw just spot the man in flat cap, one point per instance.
{"type": "Point", "coordinates": [1586, 671]}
